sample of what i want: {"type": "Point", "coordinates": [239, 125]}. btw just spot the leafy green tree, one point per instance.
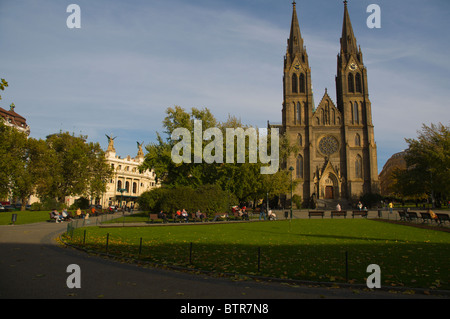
{"type": "Point", "coordinates": [428, 164]}
{"type": "Point", "coordinates": [77, 167]}
{"type": "Point", "coordinates": [244, 180]}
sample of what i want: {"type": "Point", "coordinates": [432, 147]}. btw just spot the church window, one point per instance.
{"type": "Point", "coordinates": [298, 117]}
{"type": "Point", "coordinates": [358, 167]}
{"type": "Point", "coordinates": [299, 167]}
{"type": "Point", "coordinates": [294, 83]}
{"type": "Point", "coordinates": [302, 83]}
{"type": "Point", "coordinates": [351, 85]}
{"type": "Point", "coordinates": [355, 113]}
{"type": "Point", "coordinates": [300, 140]}
{"type": "Point", "coordinates": [357, 140]}
{"type": "Point", "coordinates": [328, 145]}
{"type": "Point", "coordinates": [358, 83]}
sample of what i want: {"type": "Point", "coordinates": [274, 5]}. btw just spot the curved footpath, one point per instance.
{"type": "Point", "coordinates": [34, 266]}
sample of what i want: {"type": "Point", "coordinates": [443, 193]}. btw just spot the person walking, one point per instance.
{"type": "Point", "coordinates": [262, 212]}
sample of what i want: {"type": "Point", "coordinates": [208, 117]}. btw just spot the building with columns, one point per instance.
{"type": "Point", "coordinates": [337, 156]}
{"type": "Point", "coordinates": [127, 182]}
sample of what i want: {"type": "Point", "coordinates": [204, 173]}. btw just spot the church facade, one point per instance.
{"type": "Point", "coordinates": [336, 157]}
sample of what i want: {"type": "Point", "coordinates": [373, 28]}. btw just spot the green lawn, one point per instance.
{"type": "Point", "coordinates": [302, 249]}
{"type": "Point", "coordinates": [24, 217]}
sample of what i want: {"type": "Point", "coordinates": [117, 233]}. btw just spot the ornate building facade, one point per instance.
{"type": "Point", "coordinates": [127, 183]}
{"type": "Point", "coordinates": [337, 154]}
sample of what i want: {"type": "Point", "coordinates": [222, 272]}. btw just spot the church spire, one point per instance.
{"type": "Point", "coordinates": [348, 40]}
{"type": "Point", "coordinates": [295, 41]}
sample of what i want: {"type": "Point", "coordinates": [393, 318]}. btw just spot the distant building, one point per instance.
{"type": "Point", "coordinates": [127, 183]}
{"type": "Point", "coordinates": [11, 118]}
{"type": "Point", "coordinates": [386, 177]}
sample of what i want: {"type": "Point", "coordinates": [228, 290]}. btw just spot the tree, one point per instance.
{"type": "Point", "coordinates": [77, 168]}
{"type": "Point", "coordinates": [428, 164]}
{"type": "Point", "coordinates": [3, 84]}
{"type": "Point", "coordinates": [23, 164]}
{"type": "Point", "coordinates": [243, 179]}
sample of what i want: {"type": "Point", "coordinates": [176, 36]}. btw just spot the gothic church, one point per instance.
{"type": "Point", "coordinates": [337, 155]}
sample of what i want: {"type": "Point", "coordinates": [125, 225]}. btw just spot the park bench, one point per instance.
{"type": "Point", "coordinates": [426, 217]}
{"type": "Point", "coordinates": [51, 218]}
{"type": "Point", "coordinates": [359, 213]}
{"type": "Point", "coordinates": [403, 215]}
{"type": "Point", "coordinates": [315, 213]}
{"type": "Point", "coordinates": [153, 217]}
{"type": "Point", "coordinates": [339, 213]}
{"type": "Point", "coordinates": [412, 216]}
{"type": "Point", "coordinates": [442, 218]}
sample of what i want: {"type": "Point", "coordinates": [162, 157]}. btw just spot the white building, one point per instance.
{"type": "Point", "coordinates": [127, 182]}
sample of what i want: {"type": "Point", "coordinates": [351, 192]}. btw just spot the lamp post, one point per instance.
{"type": "Point", "coordinates": [291, 169]}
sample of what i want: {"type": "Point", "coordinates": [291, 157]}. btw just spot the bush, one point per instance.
{"type": "Point", "coordinates": [206, 198]}
{"type": "Point", "coordinates": [82, 203]}
{"type": "Point", "coordinates": [297, 200]}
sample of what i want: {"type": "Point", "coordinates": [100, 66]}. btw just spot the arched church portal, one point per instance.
{"type": "Point", "coordinates": [329, 187]}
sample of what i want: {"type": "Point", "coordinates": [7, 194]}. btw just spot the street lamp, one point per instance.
{"type": "Point", "coordinates": [291, 169]}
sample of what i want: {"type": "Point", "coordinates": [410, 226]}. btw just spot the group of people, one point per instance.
{"type": "Point", "coordinates": [60, 216]}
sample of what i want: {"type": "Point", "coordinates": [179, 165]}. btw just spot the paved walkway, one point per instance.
{"type": "Point", "coordinates": [33, 266]}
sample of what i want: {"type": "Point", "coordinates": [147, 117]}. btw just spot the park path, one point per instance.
{"type": "Point", "coordinates": [34, 266]}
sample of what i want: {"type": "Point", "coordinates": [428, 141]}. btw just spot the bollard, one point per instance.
{"type": "Point", "coordinates": [346, 266]}
{"type": "Point", "coordinates": [259, 258]}
{"type": "Point", "coordinates": [107, 240]}
{"type": "Point", "coordinates": [140, 248]}
{"type": "Point", "coordinates": [190, 254]}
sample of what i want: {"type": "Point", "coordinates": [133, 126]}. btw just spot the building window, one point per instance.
{"type": "Point", "coordinates": [299, 167]}
{"type": "Point", "coordinates": [127, 186]}
{"type": "Point", "coordinates": [351, 85]}
{"type": "Point", "coordinates": [357, 140]}
{"type": "Point", "coordinates": [302, 83]}
{"type": "Point", "coordinates": [355, 113]}
{"type": "Point", "coordinates": [358, 83]}
{"type": "Point", "coordinates": [300, 140]}
{"type": "Point", "coordinates": [119, 185]}
{"type": "Point", "coordinates": [358, 167]}
{"type": "Point", "coordinates": [298, 117]}
{"type": "Point", "coordinates": [294, 83]}
{"type": "Point", "coordinates": [134, 188]}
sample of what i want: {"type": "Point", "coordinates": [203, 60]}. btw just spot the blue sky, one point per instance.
{"type": "Point", "coordinates": [131, 60]}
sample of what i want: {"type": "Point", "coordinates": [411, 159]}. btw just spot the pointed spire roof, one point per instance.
{"type": "Point", "coordinates": [295, 42]}
{"type": "Point", "coordinates": [348, 40]}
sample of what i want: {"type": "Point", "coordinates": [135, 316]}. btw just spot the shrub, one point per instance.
{"type": "Point", "coordinates": [206, 198]}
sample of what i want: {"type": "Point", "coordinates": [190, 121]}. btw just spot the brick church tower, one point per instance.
{"type": "Point", "coordinates": [337, 157]}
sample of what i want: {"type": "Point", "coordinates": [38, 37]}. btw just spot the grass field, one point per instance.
{"type": "Point", "coordinates": [302, 249]}
{"type": "Point", "coordinates": [24, 217]}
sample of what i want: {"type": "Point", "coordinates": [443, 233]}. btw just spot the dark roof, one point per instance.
{"type": "Point", "coordinates": [13, 117]}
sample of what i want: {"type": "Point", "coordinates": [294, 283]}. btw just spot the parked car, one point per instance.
{"type": "Point", "coordinates": [2, 208]}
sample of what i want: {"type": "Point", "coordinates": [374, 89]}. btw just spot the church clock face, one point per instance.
{"type": "Point", "coordinates": [353, 66]}
{"type": "Point", "coordinates": [297, 66]}
{"type": "Point", "coordinates": [328, 145]}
